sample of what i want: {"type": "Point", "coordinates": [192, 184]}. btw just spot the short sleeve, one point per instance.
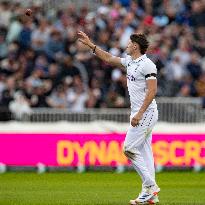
{"type": "Point", "coordinates": [149, 70]}
{"type": "Point", "coordinates": [123, 61]}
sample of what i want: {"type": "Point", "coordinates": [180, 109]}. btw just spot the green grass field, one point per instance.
{"type": "Point", "coordinates": [177, 188]}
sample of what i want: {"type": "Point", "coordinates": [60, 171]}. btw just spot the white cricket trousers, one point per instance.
{"type": "Point", "coordinates": [138, 147]}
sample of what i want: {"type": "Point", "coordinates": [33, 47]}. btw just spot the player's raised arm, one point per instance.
{"type": "Point", "coordinates": [103, 55]}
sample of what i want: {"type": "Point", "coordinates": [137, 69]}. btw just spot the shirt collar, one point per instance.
{"type": "Point", "coordinates": [140, 58]}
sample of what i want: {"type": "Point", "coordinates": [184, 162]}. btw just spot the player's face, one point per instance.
{"type": "Point", "coordinates": [131, 47]}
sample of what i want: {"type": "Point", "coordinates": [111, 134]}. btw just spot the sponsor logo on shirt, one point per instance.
{"type": "Point", "coordinates": [131, 77]}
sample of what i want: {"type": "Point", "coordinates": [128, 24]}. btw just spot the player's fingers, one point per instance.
{"type": "Point", "coordinates": [133, 123]}
{"type": "Point", "coordinates": [82, 34]}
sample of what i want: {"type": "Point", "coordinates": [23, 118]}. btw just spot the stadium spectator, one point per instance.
{"type": "Point", "coordinates": [194, 67]}
{"type": "Point", "coordinates": [57, 98]}
{"type": "Point", "coordinates": [40, 35]}
{"type": "Point", "coordinates": [25, 34]}
{"type": "Point", "coordinates": [54, 47]}
{"type": "Point", "coordinates": [77, 95]}
{"type": "Point", "coordinates": [19, 106]}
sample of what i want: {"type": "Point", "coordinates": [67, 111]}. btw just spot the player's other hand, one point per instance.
{"type": "Point", "coordinates": [136, 119]}
{"type": "Point", "coordinates": [83, 38]}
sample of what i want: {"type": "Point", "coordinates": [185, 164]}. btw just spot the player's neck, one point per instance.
{"type": "Point", "coordinates": [136, 55]}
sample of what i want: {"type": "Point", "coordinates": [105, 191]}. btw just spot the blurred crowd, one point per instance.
{"type": "Point", "coordinates": [43, 65]}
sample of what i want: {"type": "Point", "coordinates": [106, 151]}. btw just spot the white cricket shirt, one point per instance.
{"type": "Point", "coordinates": [138, 71]}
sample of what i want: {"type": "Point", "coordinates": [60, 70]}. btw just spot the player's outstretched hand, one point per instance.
{"type": "Point", "coordinates": [83, 38]}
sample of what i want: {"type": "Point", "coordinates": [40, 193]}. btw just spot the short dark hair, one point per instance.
{"type": "Point", "coordinates": [141, 40]}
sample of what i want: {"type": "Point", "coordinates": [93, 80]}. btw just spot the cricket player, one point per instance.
{"type": "Point", "coordinates": [142, 87]}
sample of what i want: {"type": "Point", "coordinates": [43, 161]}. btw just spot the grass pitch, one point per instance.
{"type": "Point", "coordinates": [177, 188]}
